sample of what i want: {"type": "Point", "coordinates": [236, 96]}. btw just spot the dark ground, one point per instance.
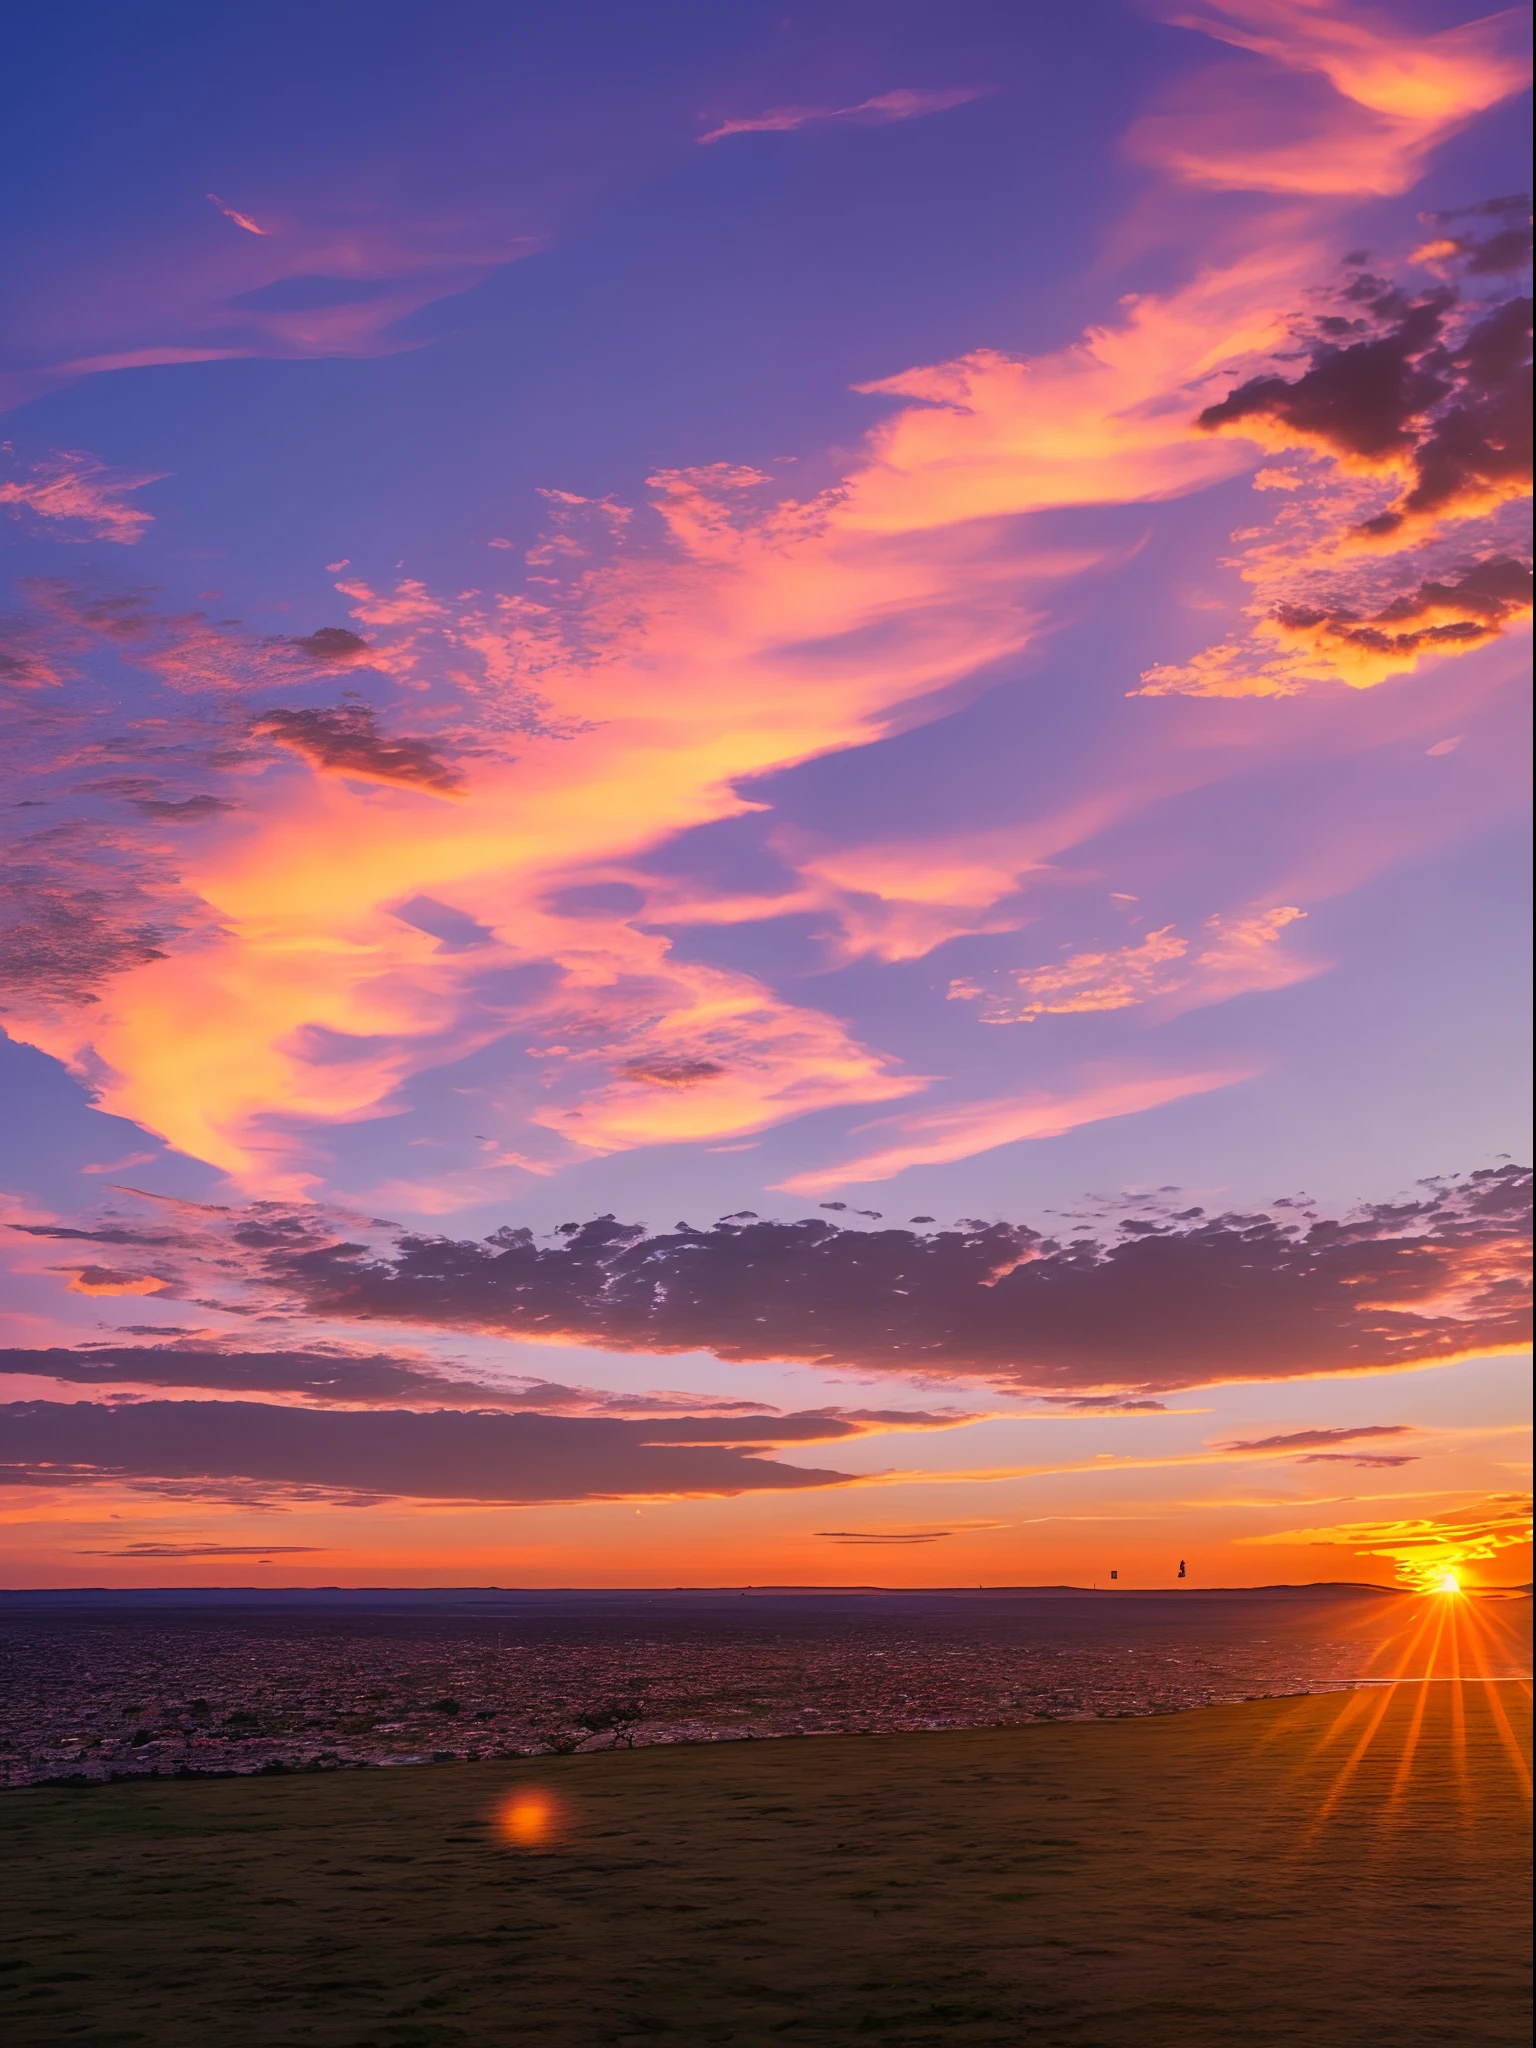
{"type": "Point", "coordinates": [1346, 1871]}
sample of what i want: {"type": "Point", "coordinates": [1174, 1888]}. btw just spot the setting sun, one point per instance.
{"type": "Point", "coordinates": [1449, 1583]}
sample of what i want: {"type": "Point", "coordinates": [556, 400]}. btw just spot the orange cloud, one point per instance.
{"type": "Point", "coordinates": [614, 710]}
{"type": "Point", "coordinates": [620, 704]}
{"type": "Point", "coordinates": [1355, 104]}
{"type": "Point", "coordinates": [1237, 957]}
{"type": "Point", "coordinates": [110, 1280]}
{"type": "Point", "coordinates": [935, 1137]}
{"type": "Point", "coordinates": [241, 220]}
{"type": "Point", "coordinates": [1425, 1548]}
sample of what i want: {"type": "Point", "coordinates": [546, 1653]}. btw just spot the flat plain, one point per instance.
{"type": "Point", "coordinates": [1342, 1870]}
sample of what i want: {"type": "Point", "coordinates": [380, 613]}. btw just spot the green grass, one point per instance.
{"type": "Point", "coordinates": [1165, 1883]}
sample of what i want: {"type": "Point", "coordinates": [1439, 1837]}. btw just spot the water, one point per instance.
{"type": "Point", "coordinates": [103, 1684]}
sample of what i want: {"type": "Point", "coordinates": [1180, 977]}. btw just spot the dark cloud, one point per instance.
{"type": "Point", "coordinates": [1232, 1297]}
{"type": "Point", "coordinates": [371, 1379]}
{"type": "Point", "coordinates": [1499, 253]}
{"type": "Point", "coordinates": [440, 1455]}
{"type": "Point", "coordinates": [212, 1550]}
{"type": "Point", "coordinates": [1430, 383]}
{"type": "Point", "coordinates": [455, 930]}
{"type": "Point", "coordinates": [1437, 615]}
{"type": "Point", "coordinates": [190, 810]}
{"type": "Point", "coordinates": [332, 646]}
{"type": "Point", "coordinates": [1317, 1439]}
{"type": "Point", "coordinates": [1106, 1404]}
{"type": "Point", "coordinates": [1359, 399]}
{"type": "Point", "coordinates": [317, 1375]}
{"type": "Point", "coordinates": [663, 1072]}
{"type": "Point", "coordinates": [346, 740]}
{"type": "Point", "coordinates": [1365, 1460]}
{"type": "Point", "coordinates": [67, 923]}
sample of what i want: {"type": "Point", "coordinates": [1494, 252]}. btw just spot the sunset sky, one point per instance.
{"type": "Point", "coordinates": [767, 773]}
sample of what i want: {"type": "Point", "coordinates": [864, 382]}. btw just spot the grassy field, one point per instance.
{"type": "Point", "coordinates": [1337, 1871]}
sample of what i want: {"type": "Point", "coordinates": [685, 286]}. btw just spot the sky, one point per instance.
{"type": "Point", "coordinates": [766, 791]}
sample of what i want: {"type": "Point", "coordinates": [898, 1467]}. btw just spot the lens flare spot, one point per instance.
{"type": "Point", "coordinates": [528, 1819]}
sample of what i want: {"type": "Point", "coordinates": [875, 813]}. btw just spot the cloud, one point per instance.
{"type": "Point", "coordinates": [1177, 1300]}
{"type": "Point", "coordinates": [1403, 533]}
{"type": "Point", "coordinates": [309, 277]}
{"type": "Point", "coordinates": [332, 646]}
{"type": "Point", "coordinates": [213, 1550]}
{"type": "Point", "coordinates": [1448, 412]}
{"type": "Point", "coordinates": [1425, 1548]}
{"type": "Point", "coordinates": [934, 1137]}
{"type": "Point", "coordinates": [1319, 1439]}
{"type": "Point", "coordinates": [1349, 101]}
{"type": "Point", "coordinates": [655, 668]}
{"type": "Point", "coordinates": [116, 1280]}
{"type": "Point", "coordinates": [1236, 957]}
{"type": "Point", "coordinates": [346, 740]}
{"type": "Point", "coordinates": [1366, 1460]}
{"type": "Point", "coordinates": [392, 1453]}
{"type": "Point", "coordinates": [68, 922]}
{"type": "Point", "coordinates": [241, 220]}
{"type": "Point", "coordinates": [900, 105]}
{"type": "Point", "coordinates": [75, 496]}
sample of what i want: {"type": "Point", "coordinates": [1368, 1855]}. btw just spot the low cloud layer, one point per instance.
{"type": "Point", "coordinates": [1166, 1301]}
{"type": "Point", "coordinates": [260, 1446]}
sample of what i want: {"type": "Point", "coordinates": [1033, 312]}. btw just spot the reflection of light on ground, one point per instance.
{"type": "Point", "coordinates": [528, 1818]}
{"type": "Point", "coordinates": [1450, 1660]}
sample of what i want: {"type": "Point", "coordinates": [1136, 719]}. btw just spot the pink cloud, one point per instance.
{"type": "Point", "coordinates": [307, 282]}
{"type": "Point", "coordinates": [241, 220]}
{"type": "Point", "coordinates": [1234, 956]}
{"type": "Point", "coordinates": [623, 699]}
{"type": "Point", "coordinates": [886, 107]}
{"type": "Point", "coordinates": [74, 490]}
{"type": "Point", "coordinates": [1353, 104]}
{"type": "Point", "coordinates": [937, 1137]}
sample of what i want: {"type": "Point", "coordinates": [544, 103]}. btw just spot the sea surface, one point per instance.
{"type": "Point", "coordinates": [97, 1685]}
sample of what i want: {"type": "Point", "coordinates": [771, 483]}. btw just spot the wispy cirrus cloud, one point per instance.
{"type": "Point", "coordinates": [1347, 100]}
{"type": "Point", "coordinates": [936, 1136]}
{"type": "Point", "coordinates": [76, 496]}
{"type": "Point", "coordinates": [241, 220]}
{"type": "Point", "coordinates": [1235, 955]}
{"type": "Point", "coordinates": [884, 108]}
{"type": "Point", "coordinates": [656, 665]}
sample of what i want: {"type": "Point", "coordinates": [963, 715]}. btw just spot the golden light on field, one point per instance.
{"type": "Point", "coordinates": [1446, 1650]}
{"type": "Point", "coordinates": [528, 1819]}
